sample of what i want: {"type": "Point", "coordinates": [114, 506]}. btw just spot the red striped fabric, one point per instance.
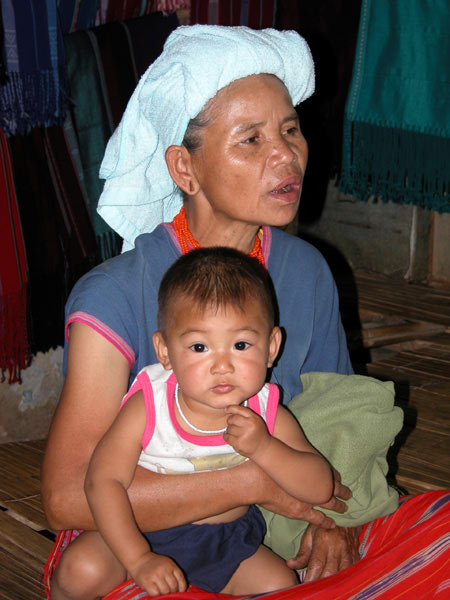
{"type": "Point", "coordinates": [14, 346]}
{"type": "Point", "coordinates": [403, 556]}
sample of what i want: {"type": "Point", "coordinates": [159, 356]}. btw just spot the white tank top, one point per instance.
{"type": "Point", "coordinates": [167, 448]}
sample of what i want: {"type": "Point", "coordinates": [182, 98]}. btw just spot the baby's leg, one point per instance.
{"type": "Point", "coordinates": [265, 571]}
{"type": "Point", "coordinates": [87, 570]}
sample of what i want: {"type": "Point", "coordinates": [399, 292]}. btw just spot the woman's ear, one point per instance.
{"type": "Point", "coordinates": [161, 350]}
{"type": "Point", "coordinates": [179, 164]}
{"type": "Point", "coordinates": [274, 345]}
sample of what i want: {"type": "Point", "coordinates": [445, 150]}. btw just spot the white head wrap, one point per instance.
{"type": "Point", "coordinates": [197, 61]}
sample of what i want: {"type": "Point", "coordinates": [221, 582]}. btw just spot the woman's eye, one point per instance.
{"type": "Point", "coordinates": [199, 347]}
{"type": "Point", "coordinates": [241, 345]}
{"type": "Point", "coordinates": [291, 130]}
{"type": "Point", "coordinates": [251, 140]}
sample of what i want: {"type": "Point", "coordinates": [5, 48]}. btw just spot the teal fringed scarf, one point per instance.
{"type": "Point", "coordinates": [397, 119]}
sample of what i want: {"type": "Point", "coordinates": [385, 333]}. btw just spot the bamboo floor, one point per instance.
{"type": "Point", "coordinates": [401, 333]}
{"type": "Point", "coordinates": [25, 537]}
{"type": "Point", "coordinates": [406, 329]}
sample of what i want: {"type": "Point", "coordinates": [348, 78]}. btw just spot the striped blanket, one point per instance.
{"type": "Point", "coordinates": [404, 555]}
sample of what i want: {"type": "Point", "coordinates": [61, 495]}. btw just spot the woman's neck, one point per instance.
{"type": "Point", "coordinates": [211, 230]}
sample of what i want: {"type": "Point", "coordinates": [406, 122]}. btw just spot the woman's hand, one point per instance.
{"type": "Point", "coordinates": [158, 574]}
{"type": "Point", "coordinates": [325, 552]}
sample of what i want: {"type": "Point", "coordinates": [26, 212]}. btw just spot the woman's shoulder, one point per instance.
{"type": "Point", "coordinates": [118, 285]}
{"type": "Point", "coordinates": [298, 251]}
{"type": "Point", "coordinates": [153, 253]}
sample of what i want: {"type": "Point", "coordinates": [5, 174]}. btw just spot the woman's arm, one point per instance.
{"type": "Point", "coordinates": [97, 379]}
{"type": "Point", "coordinates": [286, 456]}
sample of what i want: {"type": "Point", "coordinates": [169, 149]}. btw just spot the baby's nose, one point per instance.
{"type": "Point", "coordinates": [222, 363]}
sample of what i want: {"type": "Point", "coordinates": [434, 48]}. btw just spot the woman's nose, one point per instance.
{"type": "Point", "coordinates": [282, 151]}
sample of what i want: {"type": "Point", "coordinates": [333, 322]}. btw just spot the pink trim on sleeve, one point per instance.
{"type": "Point", "coordinates": [105, 331]}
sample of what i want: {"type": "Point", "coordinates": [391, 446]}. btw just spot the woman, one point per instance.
{"type": "Point", "coordinates": [212, 120]}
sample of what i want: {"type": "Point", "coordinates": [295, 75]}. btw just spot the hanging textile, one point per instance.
{"type": "Point", "coordinates": [59, 238]}
{"type": "Point", "coordinates": [115, 60]}
{"type": "Point", "coordinates": [75, 15]}
{"type": "Point", "coordinates": [257, 14]}
{"type": "Point", "coordinates": [104, 65]}
{"type": "Point", "coordinates": [35, 90]}
{"type": "Point", "coordinates": [397, 120]}
{"type": "Point", "coordinates": [3, 78]}
{"type": "Point", "coordinates": [111, 10]}
{"type": "Point", "coordinates": [14, 347]}
{"type": "Point", "coordinates": [147, 36]}
{"type": "Point", "coordinates": [93, 123]}
{"type": "Point", "coordinates": [168, 6]}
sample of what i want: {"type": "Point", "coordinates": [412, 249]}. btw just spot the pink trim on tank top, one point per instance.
{"type": "Point", "coordinates": [149, 400]}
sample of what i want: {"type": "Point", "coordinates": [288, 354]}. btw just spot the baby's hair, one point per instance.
{"type": "Point", "coordinates": [215, 278]}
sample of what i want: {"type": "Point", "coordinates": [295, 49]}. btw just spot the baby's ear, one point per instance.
{"type": "Point", "coordinates": [274, 345]}
{"type": "Point", "coordinates": [162, 352]}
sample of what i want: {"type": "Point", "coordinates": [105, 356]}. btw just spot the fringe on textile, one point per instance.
{"type": "Point", "coordinates": [395, 165]}
{"type": "Point", "coordinates": [29, 100]}
{"type": "Point", "coordinates": [14, 346]}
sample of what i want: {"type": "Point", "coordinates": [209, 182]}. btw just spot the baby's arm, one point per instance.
{"type": "Point", "coordinates": [110, 473]}
{"type": "Point", "coordinates": [286, 456]}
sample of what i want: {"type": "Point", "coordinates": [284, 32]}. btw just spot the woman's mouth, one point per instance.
{"type": "Point", "coordinates": [283, 190]}
{"type": "Point", "coordinates": [288, 190]}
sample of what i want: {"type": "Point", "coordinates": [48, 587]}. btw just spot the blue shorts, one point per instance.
{"type": "Point", "coordinates": [209, 554]}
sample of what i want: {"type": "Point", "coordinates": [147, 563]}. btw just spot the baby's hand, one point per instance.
{"type": "Point", "coordinates": [246, 431]}
{"type": "Point", "coordinates": [158, 574]}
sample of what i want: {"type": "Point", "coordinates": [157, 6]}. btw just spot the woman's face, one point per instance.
{"type": "Point", "coordinates": [253, 156]}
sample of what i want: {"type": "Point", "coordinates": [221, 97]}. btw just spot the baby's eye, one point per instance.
{"type": "Point", "coordinates": [199, 348]}
{"type": "Point", "coordinates": [241, 345]}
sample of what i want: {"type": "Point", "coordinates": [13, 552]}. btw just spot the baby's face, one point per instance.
{"type": "Point", "coordinates": [220, 357]}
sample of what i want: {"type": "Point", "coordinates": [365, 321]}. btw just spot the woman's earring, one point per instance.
{"type": "Point", "coordinates": [191, 186]}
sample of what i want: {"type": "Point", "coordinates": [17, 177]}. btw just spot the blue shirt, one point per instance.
{"type": "Point", "coordinates": [119, 299]}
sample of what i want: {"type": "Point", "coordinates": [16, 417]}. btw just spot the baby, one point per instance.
{"type": "Point", "coordinates": [205, 406]}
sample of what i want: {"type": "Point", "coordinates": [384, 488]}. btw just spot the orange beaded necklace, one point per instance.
{"type": "Point", "coordinates": [188, 243]}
